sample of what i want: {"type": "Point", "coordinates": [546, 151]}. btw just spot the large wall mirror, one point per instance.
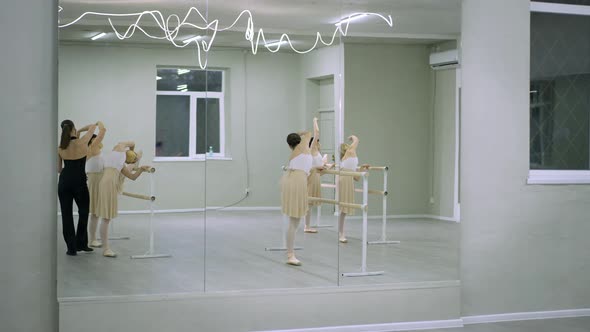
{"type": "Point", "coordinates": [321, 158]}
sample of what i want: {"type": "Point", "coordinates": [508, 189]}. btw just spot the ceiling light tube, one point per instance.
{"type": "Point", "coordinates": [350, 18]}
{"type": "Point", "coordinates": [100, 35]}
{"type": "Point", "coordinates": [275, 43]}
{"type": "Point", "coordinates": [191, 39]}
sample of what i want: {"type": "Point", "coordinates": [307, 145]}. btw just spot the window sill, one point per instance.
{"type": "Point", "coordinates": [185, 159]}
{"type": "Point", "coordinates": [558, 177]}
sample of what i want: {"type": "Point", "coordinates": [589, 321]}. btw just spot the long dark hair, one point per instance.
{"type": "Point", "coordinates": [67, 126]}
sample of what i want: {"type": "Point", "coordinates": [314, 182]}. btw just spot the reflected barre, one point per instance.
{"type": "Point", "coordinates": [151, 170]}
{"type": "Point", "coordinates": [138, 196]}
{"type": "Point", "coordinates": [345, 173]}
{"type": "Point", "coordinates": [370, 191]}
{"type": "Point", "coordinates": [335, 202]}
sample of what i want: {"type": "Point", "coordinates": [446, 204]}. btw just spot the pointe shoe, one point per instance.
{"type": "Point", "coordinates": [310, 230]}
{"type": "Point", "coordinates": [95, 244]}
{"type": "Point", "coordinates": [291, 260]}
{"type": "Point", "coordinates": [343, 240]}
{"type": "Point", "coordinates": [109, 253]}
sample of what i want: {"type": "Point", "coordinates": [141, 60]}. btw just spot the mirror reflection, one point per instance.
{"type": "Point", "coordinates": [220, 160]}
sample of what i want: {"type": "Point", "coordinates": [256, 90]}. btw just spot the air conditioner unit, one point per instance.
{"type": "Point", "coordinates": [444, 60]}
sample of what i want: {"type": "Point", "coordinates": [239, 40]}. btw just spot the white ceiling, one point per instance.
{"type": "Point", "coordinates": [422, 21]}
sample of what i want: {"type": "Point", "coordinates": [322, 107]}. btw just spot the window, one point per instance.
{"type": "Point", "coordinates": [190, 119]}
{"type": "Point", "coordinates": [559, 96]}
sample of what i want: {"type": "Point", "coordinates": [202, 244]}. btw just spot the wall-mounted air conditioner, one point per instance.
{"type": "Point", "coordinates": [444, 60]}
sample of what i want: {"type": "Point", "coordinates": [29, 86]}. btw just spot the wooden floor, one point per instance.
{"type": "Point", "coordinates": [229, 254]}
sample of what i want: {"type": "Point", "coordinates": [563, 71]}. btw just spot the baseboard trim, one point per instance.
{"type": "Point", "coordinates": [517, 316]}
{"type": "Point", "coordinates": [450, 323]}
{"type": "Point", "coordinates": [388, 327]}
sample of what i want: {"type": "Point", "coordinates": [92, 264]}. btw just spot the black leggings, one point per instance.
{"type": "Point", "coordinates": [69, 192]}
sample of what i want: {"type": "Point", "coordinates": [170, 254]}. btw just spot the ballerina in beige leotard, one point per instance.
{"type": "Point", "coordinates": [294, 202]}
{"type": "Point", "coordinates": [314, 184]}
{"type": "Point", "coordinates": [348, 162]}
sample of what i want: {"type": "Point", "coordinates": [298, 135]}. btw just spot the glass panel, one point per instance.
{"type": "Point", "coordinates": [172, 126]}
{"type": "Point", "coordinates": [208, 126]}
{"type": "Point", "coordinates": [264, 99]}
{"type": "Point", "coordinates": [559, 92]}
{"type": "Point", "coordinates": [185, 79]}
{"type": "Point", "coordinates": [403, 115]}
{"type": "Point", "coordinates": [117, 82]}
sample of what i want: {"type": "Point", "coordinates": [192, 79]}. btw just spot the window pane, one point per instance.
{"type": "Point", "coordinates": [172, 126]}
{"type": "Point", "coordinates": [184, 79]}
{"type": "Point", "coordinates": [214, 81]}
{"type": "Point", "coordinates": [208, 125]}
{"type": "Point", "coordinates": [559, 92]}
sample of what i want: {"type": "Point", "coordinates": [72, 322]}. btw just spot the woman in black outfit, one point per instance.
{"type": "Point", "coordinates": [72, 185]}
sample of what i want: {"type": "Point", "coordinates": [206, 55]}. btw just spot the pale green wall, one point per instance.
{"type": "Point", "coordinates": [388, 106]}
{"type": "Point", "coordinates": [523, 247]}
{"type": "Point", "coordinates": [28, 227]}
{"type": "Point", "coordinates": [117, 86]}
{"type": "Point", "coordinates": [443, 143]}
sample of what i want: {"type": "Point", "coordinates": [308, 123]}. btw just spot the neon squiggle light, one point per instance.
{"type": "Point", "coordinates": [204, 45]}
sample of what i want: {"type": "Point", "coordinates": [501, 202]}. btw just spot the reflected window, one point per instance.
{"type": "Point", "coordinates": [190, 121]}
{"type": "Point", "coordinates": [559, 92]}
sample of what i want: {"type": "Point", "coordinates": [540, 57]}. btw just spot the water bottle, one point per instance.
{"type": "Point", "coordinates": [210, 151]}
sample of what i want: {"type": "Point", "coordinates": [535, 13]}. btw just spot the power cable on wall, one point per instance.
{"type": "Point", "coordinates": [247, 190]}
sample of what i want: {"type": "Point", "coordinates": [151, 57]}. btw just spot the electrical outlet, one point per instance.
{"type": "Point", "coordinates": [247, 191]}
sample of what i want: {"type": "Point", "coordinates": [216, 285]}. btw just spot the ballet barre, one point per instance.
{"type": "Point", "coordinates": [383, 239]}
{"type": "Point", "coordinates": [151, 198]}
{"type": "Point", "coordinates": [138, 196]}
{"type": "Point", "coordinates": [371, 191]}
{"type": "Point", "coordinates": [151, 170]}
{"type": "Point", "coordinates": [335, 202]}
{"type": "Point", "coordinates": [363, 207]}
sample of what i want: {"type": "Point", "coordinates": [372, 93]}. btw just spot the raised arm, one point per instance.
{"type": "Point", "coordinates": [81, 130]}
{"type": "Point", "coordinates": [121, 146]}
{"type": "Point", "coordinates": [316, 130]}
{"type": "Point", "coordinates": [90, 131]}
{"type": "Point", "coordinates": [305, 138]}
{"type": "Point", "coordinates": [101, 132]}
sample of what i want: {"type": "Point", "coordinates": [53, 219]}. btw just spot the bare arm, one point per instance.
{"type": "Point", "coordinates": [305, 138]}
{"type": "Point", "coordinates": [355, 142]}
{"type": "Point", "coordinates": [121, 146]}
{"type": "Point", "coordinates": [127, 171]}
{"type": "Point", "coordinates": [81, 130]}
{"type": "Point", "coordinates": [101, 132]}
{"type": "Point", "coordinates": [59, 163]}
{"type": "Point", "coordinates": [316, 130]}
{"type": "Point", "coordinates": [86, 138]}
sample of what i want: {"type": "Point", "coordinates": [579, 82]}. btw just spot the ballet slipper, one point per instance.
{"type": "Point", "coordinates": [95, 244]}
{"type": "Point", "coordinates": [343, 240]}
{"type": "Point", "coordinates": [310, 230]}
{"type": "Point", "coordinates": [109, 253]}
{"type": "Point", "coordinates": [291, 260]}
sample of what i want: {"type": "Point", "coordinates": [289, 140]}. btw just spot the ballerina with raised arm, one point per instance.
{"type": "Point", "coordinates": [294, 202]}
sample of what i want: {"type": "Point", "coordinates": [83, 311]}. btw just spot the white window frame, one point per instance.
{"type": "Point", "coordinates": [538, 176]}
{"type": "Point", "coordinates": [193, 95]}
